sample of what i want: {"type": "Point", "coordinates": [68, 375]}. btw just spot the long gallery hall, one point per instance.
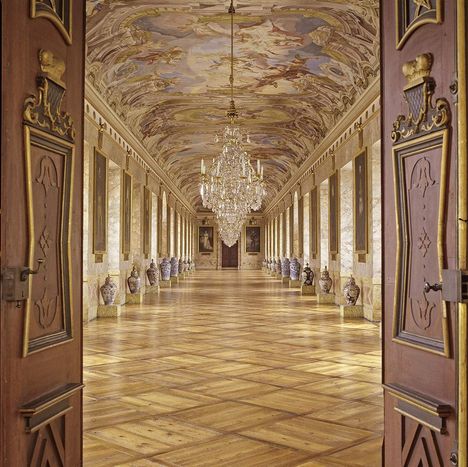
{"type": "Point", "coordinates": [234, 233]}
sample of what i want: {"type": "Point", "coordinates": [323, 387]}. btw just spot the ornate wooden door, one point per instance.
{"type": "Point", "coordinates": [230, 256]}
{"type": "Point", "coordinates": [424, 337]}
{"type": "Point", "coordinates": [41, 240]}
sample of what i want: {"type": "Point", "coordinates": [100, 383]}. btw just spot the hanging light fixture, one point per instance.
{"type": "Point", "coordinates": [230, 186]}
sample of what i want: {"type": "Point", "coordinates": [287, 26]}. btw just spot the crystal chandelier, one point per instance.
{"type": "Point", "coordinates": [230, 186]}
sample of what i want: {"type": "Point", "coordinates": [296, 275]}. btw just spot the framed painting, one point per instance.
{"type": "Point", "coordinates": [313, 222]}
{"type": "Point", "coordinates": [360, 203]}
{"type": "Point", "coordinates": [126, 233]}
{"type": "Point", "coordinates": [252, 239]}
{"type": "Point", "coordinates": [333, 212]}
{"type": "Point", "coordinates": [100, 203]}
{"type": "Point", "coordinates": [205, 239]}
{"type": "Point", "coordinates": [147, 207]}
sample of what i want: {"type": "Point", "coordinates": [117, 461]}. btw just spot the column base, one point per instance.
{"type": "Point", "coordinates": [108, 311]}
{"type": "Point", "coordinates": [308, 289]}
{"type": "Point", "coordinates": [174, 279]}
{"type": "Point", "coordinates": [351, 311]}
{"type": "Point", "coordinates": [326, 298]}
{"type": "Point", "coordinates": [294, 284]}
{"type": "Point", "coordinates": [134, 298]}
{"type": "Point", "coordinates": [165, 284]}
{"type": "Point", "coordinates": [152, 290]}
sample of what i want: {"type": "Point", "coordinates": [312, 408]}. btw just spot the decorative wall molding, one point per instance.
{"type": "Point", "coordinates": [98, 110]}
{"type": "Point", "coordinates": [361, 112]}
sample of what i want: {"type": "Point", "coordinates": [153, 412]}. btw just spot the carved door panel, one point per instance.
{"type": "Point", "coordinates": [41, 240]}
{"type": "Point", "coordinates": [230, 256]}
{"type": "Point", "coordinates": [420, 175]}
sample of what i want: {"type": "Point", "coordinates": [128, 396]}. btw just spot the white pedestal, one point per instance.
{"type": "Point", "coordinates": [308, 289]}
{"type": "Point", "coordinates": [109, 311]}
{"type": "Point", "coordinates": [152, 290]}
{"type": "Point", "coordinates": [134, 298]}
{"type": "Point", "coordinates": [165, 284]}
{"type": "Point", "coordinates": [351, 311]}
{"type": "Point", "coordinates": [326, 298]}
{"type": "Point", "coordinates": [294, 284]}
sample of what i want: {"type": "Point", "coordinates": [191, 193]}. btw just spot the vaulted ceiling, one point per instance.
{"type": "Point", "coordinates": [163, 66]}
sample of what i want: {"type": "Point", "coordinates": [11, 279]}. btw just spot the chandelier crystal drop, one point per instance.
{"type": "Point", "coordinates": [231, 187]}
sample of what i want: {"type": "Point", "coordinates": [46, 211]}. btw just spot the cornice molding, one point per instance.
{"type": "Point", "coordinates": [321, 152]}
{"type": "Point", "coordinates": [143, 157]}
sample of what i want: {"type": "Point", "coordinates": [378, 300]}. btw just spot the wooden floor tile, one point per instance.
{"type": "Point", "coordinates": [229, 368]}
{"type": "Point", "coordinates": [309, 435]}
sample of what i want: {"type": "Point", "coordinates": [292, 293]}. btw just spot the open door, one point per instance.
{"type": "Point", "coordinates": [41, 232]}
{"type": "Point", "coordinates": [424, 178]}
{"type": "Point", "coordinates": [230, 255]}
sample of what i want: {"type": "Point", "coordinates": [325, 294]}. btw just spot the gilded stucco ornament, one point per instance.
{"type": "Point", "coordinates": [45, 109]}
{"type": "Point", "coordinates": [423, 115]}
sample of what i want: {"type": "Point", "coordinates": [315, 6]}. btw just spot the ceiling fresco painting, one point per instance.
{"type": "Point", "coordinates": [163, 66]}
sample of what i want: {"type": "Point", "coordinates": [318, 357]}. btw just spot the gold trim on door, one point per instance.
{"type": "Point", "coordinates": [434, 140]}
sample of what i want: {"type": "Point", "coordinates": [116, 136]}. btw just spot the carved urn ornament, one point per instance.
{"type": "Point", "coordinates": [295, 267]}
{"type": "Point", "coordinates": [278, 266]}
{"type": "Point", "coordinates": [285, 267]}
{"type": "Point", "coordinates": [325, 281]}
{"type": "Point", "coordinates": [153, 273]}
{"type": "Point", "coordinates": [109, 291]}
{"type": "Point", "coordinates": [351, 291]}
{"type": "Point", "coordinates": [165, 269]}
{"type": "Point", "coordinates": [174, 267]}
{"type": "Point", "coordinates": [307, 275]}
{"type": "Point", "coordinates": [134, 281]}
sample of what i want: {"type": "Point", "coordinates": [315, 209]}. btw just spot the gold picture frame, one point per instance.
{"type": "Point", "coordinates": [100, 202]}
{"type": "Point", "coordinates": [361, 203]}
{"type": "Point", "coordinates": [252, 239]}
{"type": "Point", "coordinates": [126, 213]}
{"type": "Point", "coordinates": [205, 239]}
{"type": "Point", "coordinates": [333, 213]}
{"type": "Point", "coordinates": [147, 207]}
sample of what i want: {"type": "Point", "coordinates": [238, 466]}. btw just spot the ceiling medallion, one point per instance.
{"type": "Point", "coordinates": [230, 186]}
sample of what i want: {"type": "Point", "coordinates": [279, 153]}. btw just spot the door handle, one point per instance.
{"type": "Point", "coordinates": [435, 287]}
{"type": "Point", "coordinates": [26, 272]}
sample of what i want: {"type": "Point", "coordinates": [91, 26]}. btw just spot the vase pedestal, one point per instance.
{"type": "Point", "coordinates": [278, 275]}
{"type": "Point", "coordinates": [174, 279]}
{"type": "Point", "coordinates": [134, 298]}
{"type": "Point", "coordinates": [351, 311]}
{"type": "Point", "coordinates": [326, 298]}
{"type": "Point", "coordinates": [308, 289]}
{"type": "Point", "coordinates": [152, 290]}
{"type": "Point", "coordinates": [109, 311]}
{"type": "Point", "coordinates": [165, 284]}
{"type": "Point", "coordinates": [294, 284]}
{"type": "Point", "coordinates": [285, 280]}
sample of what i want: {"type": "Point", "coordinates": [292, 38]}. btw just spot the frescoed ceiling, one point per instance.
{"type": "Point", "coordinates": [163, 66]}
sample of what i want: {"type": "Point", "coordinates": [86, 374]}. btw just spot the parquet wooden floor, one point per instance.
{"type": "Point", "coordinates": [229, 368]}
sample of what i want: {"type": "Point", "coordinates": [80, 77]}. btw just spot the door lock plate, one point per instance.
{"type": "Point", "coordinates": [14, 288]}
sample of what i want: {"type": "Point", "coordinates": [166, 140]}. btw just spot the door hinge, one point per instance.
{"type": "Point", "coordinates": [455, 285]}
